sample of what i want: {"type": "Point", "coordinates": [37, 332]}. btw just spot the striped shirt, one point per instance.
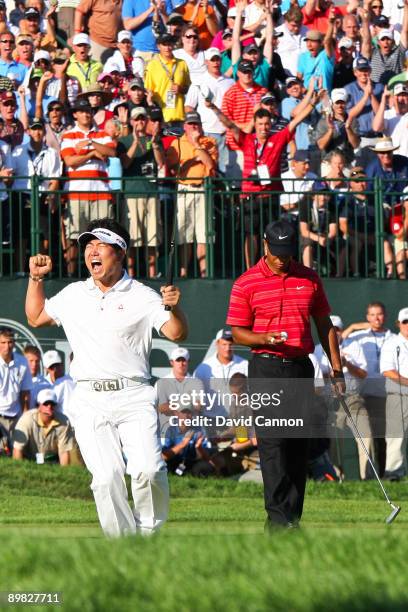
{"type": "Point", "coordinates": [384, 67]}
{"type": "Point", "coordinates": [267, 302]}
{"type": "Point", "coordinates": [238, 105]}
{"type": "Point", "coordinates": [89, 187]}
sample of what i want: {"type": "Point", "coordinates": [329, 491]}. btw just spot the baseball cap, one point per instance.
{"type": "Point", "coordinates": [212, 52]}
{"type": "Point", "coordinates": [136, 82]}
{"type": "Point", "coordinates": [249, 48]}
{"type": "Point", "coordinates": [336, 321]}
{"type": "Point", "coordinates": [277, 33]}
{"type": "Point", "coordinates": [268, 97]}
{"type": "Point", "coordinates": [301, 155]}
{"type": "Point", "coordinates": [175, 18]}
{"type": "Point", "coordinates": [38, 55]}
{"type": "Point", "coordinates": [361, 63]}
{"type": "Point", "coordinates": [292, 81]}
{"type": "Point", "coordinates": [36, 73]}
{"type": "Point", "coordinates": [7, 95]}
{"type": "Point", "coordinates": [103, 76]}
{"type": "Point", "coordinates": [50, 358]}
{"type": "Point", "coordinates": [166, 38]}
{"type": "Point", "coordinates": [385, 34]}
{"type": "Point", "coordinates": [357, 171]}
{"type": "Point", "coordinates": [179, 353]}
{"type": "Point", "coordinates": [403, 314]}
{"type": "Point", "coordinates": [314, 35]}
{"type": "Point", "coordinates": [104, 235]}
{"type": "Point", "coordinates": [381, 21]}
{"type": "Point", "coordinates": [2, 6]}
{"type": "Point", "coordinates": [232, 12]}
{"type": "Point", "coordinates": [192, 117]}
{"type": "Point", "coordinates": [224, 334]}
{"type": "Point", "coordinates": [124, 35]}
{"type": "Point", "coordinates": [35, 123]}
{"type": "Point", "coordinates": [400, 88]}
{"type": "Point", "coordinates": [245, 66]}
{"type": "Point", "coordinates": [155, 113]}
{"type": "Point", "coordinates": [226, 32]}
{"type": "Point", "coordinates": [137, 111]}
{"type": "Point", "coordinates": [339, 94]}
{"type": "Point", "coordinates": [23, 38]}
{"type": "Point", "coordinates": [81, 39]}
{"type": "Point", "coordinates": [281, 238]}
{"type": "Point", "coordinates": [47, 395]}
{"type": "Point", "coordinates": [81, 104]}
{"type": "Point", "coordinates": [346, 42]}
{"type": "Point", "coordinates": [31, 12]}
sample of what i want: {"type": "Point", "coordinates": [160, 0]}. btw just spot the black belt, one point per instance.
{"type": "Point", "coordinates": [6, 416]}
{"type": "Point", "coordinates": [281, 359]}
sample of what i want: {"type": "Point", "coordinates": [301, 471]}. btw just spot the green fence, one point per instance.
{"type": "Point", "coordinates": [342, 233]}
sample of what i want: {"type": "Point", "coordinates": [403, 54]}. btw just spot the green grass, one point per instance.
{"type": "Point", "coordinates": [211, 555]}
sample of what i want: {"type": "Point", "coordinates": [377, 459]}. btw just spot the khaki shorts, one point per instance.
{"type": "Point", "coordinates": [400, 245]}
{"type": "Point", "coordinates": [143, 221]}
{"type": "Point", "coordinates": [81, 212]}
{"type": "Point", "coordinates": [191, 217]}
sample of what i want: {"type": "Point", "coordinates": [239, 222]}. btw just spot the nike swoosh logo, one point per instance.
{"type": "Point", "coordinates": [282, 237]}
{"type": "Point", "coordinates": [301, 287]}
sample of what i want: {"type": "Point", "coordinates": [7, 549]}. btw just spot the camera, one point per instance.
{"type": "Point", "coordinates": [147, 169]}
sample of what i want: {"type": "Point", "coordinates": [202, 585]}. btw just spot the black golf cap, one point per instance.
{"type": "Point", "coordinates": [166, 38]}
{"type": "Point", "coordinates": [192, 117]}
{"type": "Point", "coordinates": [81, 104]}
{"type": "Point", "coordinates": [281, 238]}
{"type": "Point", "coordinates": [245, 66]}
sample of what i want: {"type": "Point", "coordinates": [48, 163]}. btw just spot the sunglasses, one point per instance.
{"type": "Point", "coordinates": [49, 404]}
{"type": "Point", "coordinates": [55, 108]}
{"type": "Point", "coordinates": [404, 322]}
{"type": "Point", "coordinates": [5, 41]}
{"type": "Point", "coordinates": [193, 36]}
{"type": "Point", "coordinates": [376, 6]}
{"type": "Point", "coordinates": [9, 104]}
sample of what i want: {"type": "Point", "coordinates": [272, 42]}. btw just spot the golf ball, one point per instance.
{"type": "Point", "coordinates": [284, 335]}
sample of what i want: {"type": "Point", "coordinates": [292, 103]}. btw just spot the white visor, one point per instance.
{"type": "Point", "coordinates": [104, 235]}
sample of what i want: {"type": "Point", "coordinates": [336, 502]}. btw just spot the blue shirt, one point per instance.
{"type": "Point", "coordinates": [30, 104]}
{"type": "Point", "coordinates": [395, 179]}
{"type": "Point", "coordinates": [142, 37]}
{"type": "Point", "coordinates": [302, 130]}
{"type": "Point", "coordinates": [365, 118]}
{"type": "Point", "coordinates": [261, 72]}
{"type": "Point", "coordinates": [319, 66]}
{"type": "Point", "coordinates": [15, 68]}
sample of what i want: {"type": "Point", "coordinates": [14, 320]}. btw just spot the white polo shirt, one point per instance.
{"type": "Point", "coordinates": [14, 378]}
{"type": "Point", "coordinates": [290, 46]}
{"type": "Point", "coordinates": [390, 360]}
{"type": "Point", "coordinates": [27, 163]}
{"type": "Point", "coordinates": [371, 343]}
{"type": "Point", "coordinates": [354, 354]}
{"type": "Point", "coordinates": [195, 65]}
{"type": "Point", "coordinates": [194, 98]}
{"type": "Point", "coordinates": [300, 186]}
{"type": "Point", "coordinates": [110, 333]}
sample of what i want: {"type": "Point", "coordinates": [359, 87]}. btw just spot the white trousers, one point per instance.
{"type": "Point", "coordinates": [396, 426]}
{"type": "Point", "coordinates": [108, 426]}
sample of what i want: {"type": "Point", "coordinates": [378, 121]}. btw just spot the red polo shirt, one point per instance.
{"type": "Point", "coordinates": [267, 302]}
{"type": "Point", "coordinates": [238, 105]}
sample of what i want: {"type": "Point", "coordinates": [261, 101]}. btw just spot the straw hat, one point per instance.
{"type": "Point", "coordinates": [384, 145]}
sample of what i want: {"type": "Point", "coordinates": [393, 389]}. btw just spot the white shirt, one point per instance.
{"type": "Point", "coordinates": [194, 98]}
{"type": "Point", "coordinates": [398, 133]}
{"type": "Point", "coordinates": [63, 388]}
{"type": "Point", "coordinates": [371, 343]}
{"type": "Point", "coordinates": [39, 382]}
{"type": "Point", "coordinates": [6, 162]}
{"type": "Point", "coordinates": [14, 378]}
{"type": "Point", "coordinates": [110, 333]}
{"type": "Point", "coordinates": [195, 65]}
{"type": "Point", "coordinates": [300, 186]}
{"type": "Point", "coordinates": [290, 46]}
{"type": "Point", "coordinates": [27, 163]}
{"type": "Point", "coordinates": [117, 62]}
{"type": "Point", "coordinates": [394, 356]}
{"type": "Point", "coordinates": [353, 353]}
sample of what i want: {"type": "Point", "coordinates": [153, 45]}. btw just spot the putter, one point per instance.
{"type": "Point", "coordinates": [395, 509]}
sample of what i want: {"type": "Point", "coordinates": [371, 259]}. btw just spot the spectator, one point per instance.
{"type": "Point", "coordinates": [42, 434]}
{"type": "Point", "coordinates": [317, 225]}
{"type": "Point", "coordinates": [334, 174]}
{"type": "Point", "coordinates": [371, 335]}
{"type": "Point", "coordinates": [33, 355]}
{"type": "Point", "coordinates": [97, 99]}
{"type": "Point", "coordinates": [174, 26]}
{"type": "Point", "coordinates": [85, 149]}
{"type": "Point", "coordinates": [194, 158]}
{"type": "Point", "coordinates": [15, 382]}
{"type": "Point", "coordinates": [81, 66]}
{"type": "Point", "coordinates": [167, 78]}
{"type": "Point", "coordinates": [103, 21]}
{"type": "Point", "coordinates": [296, 100]}
{"type": "Point", "coordinates": [216, 371]}
{"type": "Point", "coordinates": [8, 66]}
{"type": "Point", "coordinates": [343, 69]}
{"type": "Point", "coordinates": [31, 25]}
{"type": "Point", "coordinates": [213, 86]}
{"type": "Point", "coordinates": [318, 60]}
{"type": "Point", "coordinates": [317, 14]}
{"type": "Point", "coordinates": [399, 228]}
{"type": "Point", "coordinates": [386, 165]}
{"type": "Point", "coordinates": [142, 156]}
{"type": "Point", "coordinates": [334, 130]}
{"type": "Point", "coordinates": [392, 122]}
{"type": "Point", "coordinates": [24, 51]}
{"type": "Point", "coordinates": [124, 59]}
{"type": "Point", "coordinates": [55, 125]}
{"type": "Point", "coordinates": [138, 19]}
{"type": "Point", "coordinates": [136, 94]}
{"type": "Point", "coordinates": [202, 16]}
{"type": "Point", "coordinates": [17, 13]}
{"type": "Point", "coordinates": [393, 365]}
{"type": "Point", "coordinates": [226, 61]}
{"type": "Point", "coordinates": [355, 372]}
{"type": "Point", "coordinates": [62, 384]}
{"type": "Point", "coordinates": [292, 42]}
{"type": "Point", "coordinates": [191, 54]}
{"type": "Point", "coordinates": [66, 18]}
{"type": "Point", "coordinates": [296, 182]}
{"type": "Point", "coordinates": [278, 123]}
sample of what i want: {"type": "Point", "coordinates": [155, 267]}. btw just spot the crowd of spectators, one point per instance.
{"type": "Point", "coordinates": [135, 103]}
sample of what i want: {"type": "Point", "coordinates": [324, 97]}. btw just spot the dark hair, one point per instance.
{"type": "Point", "coordinates": [112, 225]}
{"type": "Point", "coordinates": [6, 331]}
{"type": "Point", "coordinates": [261, 113]}
{"type": "Point", "coordinates": [32, 350]}
{"type": "Point", "coordinates": [376, 305]}
{"type": "Point", "coordinates": [188, 27]}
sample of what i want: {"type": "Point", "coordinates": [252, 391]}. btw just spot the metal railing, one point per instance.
{"type": "Point", "coordinates": [223, 228]}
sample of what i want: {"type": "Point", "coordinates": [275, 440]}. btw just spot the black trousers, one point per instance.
{"type": "Point", "coordinates": [283, 454]}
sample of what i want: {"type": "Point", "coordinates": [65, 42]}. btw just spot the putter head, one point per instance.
{"type": "Point", "coordinates": [395, 511]}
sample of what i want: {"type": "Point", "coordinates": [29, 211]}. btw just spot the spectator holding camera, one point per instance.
{"type": "Point", "coordinates": [317, 224]}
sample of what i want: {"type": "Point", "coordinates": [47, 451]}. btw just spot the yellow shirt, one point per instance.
{"type": "Point", "coordinates": [160, 74]}
{"type": "Point", "coordinates": [86, 72]}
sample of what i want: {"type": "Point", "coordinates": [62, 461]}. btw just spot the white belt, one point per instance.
{"type": "Point", "coordinates": [111, 384]}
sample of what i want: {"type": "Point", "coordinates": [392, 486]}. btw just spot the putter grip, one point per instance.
{"type": "Point", "coordinates": [169, 276]}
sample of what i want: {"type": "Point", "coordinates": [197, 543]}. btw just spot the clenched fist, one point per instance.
{"type": "Point", "coordinates": [40, 265]}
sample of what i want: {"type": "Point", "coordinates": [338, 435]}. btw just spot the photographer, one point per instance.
{"type": "Point", "coordinates": [142, 156]}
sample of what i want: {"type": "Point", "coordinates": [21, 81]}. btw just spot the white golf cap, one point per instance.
{"type": "Point", "coordinates": [124, 35]}
{"type": "Point", "coordinates": [42, 55]}
{"type": "Point", "coordinates": [232, 12]}
{"type": "Point", "coordinates": [212, 52]}
{"type": "Point", "coordinates": [81, 39]}
{"type": "Point", "coordinates": [224, 334]}
{"type": "Point", "coordinates": [50, 358]}
{"type": "Point", "coordinates": [339, 94]}
{"type": "Point", "coordinates": [179, 353]}
{"type": "Point", "coordinates": [345, 42]}
{"type": "Point", "coordinates": [46, 395]}
{"type": "Point", "coordinates": [104, 235]}
{"type": "Point", "coordinates": [385, 34]}
{"type": "Point", "coordinates": [403, 315]}
{"type": "Point", "coordinates": [400, 88]}
{"type": "Point", "coordinates": [336, 322]}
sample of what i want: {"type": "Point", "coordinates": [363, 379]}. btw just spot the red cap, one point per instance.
{"type": "Point", "coordinates": [7, 95]}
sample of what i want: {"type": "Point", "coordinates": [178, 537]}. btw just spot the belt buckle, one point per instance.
{"type": "Point", "coordinates": [112, 385]}
{"type": "Point", "coordinates": [96, 385]}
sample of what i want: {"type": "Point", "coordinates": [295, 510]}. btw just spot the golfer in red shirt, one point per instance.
{"type": "Point", "coordinates": [271, 308]}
